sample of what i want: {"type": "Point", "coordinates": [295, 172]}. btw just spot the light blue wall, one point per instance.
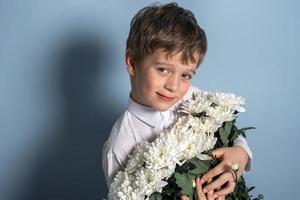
{"type": "Point", "coordinates": [63, 83]}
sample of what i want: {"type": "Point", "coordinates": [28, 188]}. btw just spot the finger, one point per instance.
{"type": "Point", "coordinates": [183, 197]}
{"type": "Point", "coordinates": [200, 194]}
{"type": "Point", "coordinates": [226, 190]}
{"type": "Point", "coordinates": [221, 180]}
{"type": "Point", "coordinates": [221, 198]}
{"type": "Point", "coordinates": [217, 170]}
{"type": "Point", "coordinates": [209, 180]}
{"type": "Point", "coordinates": [217, 189]}
{"type": "Point", "coordinates": [219, 152]}
{"type": "Point", "coordinates": [210, 195]}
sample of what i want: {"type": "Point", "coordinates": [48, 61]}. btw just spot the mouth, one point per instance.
{"type": "Point", "coordinates": [165, 98]}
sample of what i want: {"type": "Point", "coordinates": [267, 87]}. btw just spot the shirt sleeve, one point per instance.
{"type": "Point", "coordinates": [241, 141]}
{"type": "Point", "coordinates": [111, 164]}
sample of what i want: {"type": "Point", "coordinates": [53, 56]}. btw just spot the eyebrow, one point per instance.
{"type": "Point", "coordinates": [170, 64]}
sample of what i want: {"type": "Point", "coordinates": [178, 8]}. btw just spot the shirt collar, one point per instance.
{"type": "Point", "coordinates": [145, 113]}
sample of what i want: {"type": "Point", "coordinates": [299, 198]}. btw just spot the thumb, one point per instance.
{"type": "Point", "coordinates": [219, 152]}
{"type": "Point", "coordinates": [182, 197]}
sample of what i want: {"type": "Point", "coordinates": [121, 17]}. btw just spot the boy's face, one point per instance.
{"type": "Point", "coordinates": [158, 80]}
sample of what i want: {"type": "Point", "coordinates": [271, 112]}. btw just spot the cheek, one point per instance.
{"type": "Point", "coordinates": [184, 89]}
{"type": "Point", "coordinates": [152, 82]}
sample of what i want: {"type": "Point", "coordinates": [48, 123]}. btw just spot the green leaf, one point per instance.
{"type": "Point", "coordinates": [243, 130]}
{"type": "Point", "coordinates": [185, 182]}
{"type": "Point", "coordinates": [155, 196]}
{"type": "Point", "coordinates": [233, 134]}
{"type": "Point", "coordinates": [168, 190]}
{"type": "Point", "coordinates": [224, 132]}
{"type": "Point", "coordinates": [247, 128]}
{"type": "Point", "coordinates": [201, 166]}
{"type": "Point", "coordinates": [251, 188]}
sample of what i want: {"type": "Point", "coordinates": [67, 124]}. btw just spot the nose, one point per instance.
{"type": "Point", "coordinates": [172, 83]}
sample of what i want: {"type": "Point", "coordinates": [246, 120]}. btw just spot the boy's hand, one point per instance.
{"type": "Point", "coordinates": [200, 194]}
{"type": "Point", "coordinates": [227, 155]}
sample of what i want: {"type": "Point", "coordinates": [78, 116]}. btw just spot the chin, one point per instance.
{"type": "Point", "coordinates": [162, 108]}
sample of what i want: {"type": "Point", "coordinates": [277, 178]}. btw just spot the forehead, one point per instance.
{"type": "Point", "coordinates": [176, 57]}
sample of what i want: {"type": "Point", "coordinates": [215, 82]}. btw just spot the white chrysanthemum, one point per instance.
{"type": "Point", "coordinates": [199, 103]}
{"type": "Point", "coordinates": [182, 124]}
{"type": "Point", "coordinates": [121, 188]}
{"type": "Point", "coordinates": [228, 100]}
{"type": "Point", "coordinates": [210, 142]}
{"type": "Point", "coordinates": [193, 139]}
{"type": "Point", "coordinates": [160, 154]}
{"type": "Point", "coordinates": [221, 114]}
{"type": "Point", "coordinates": [171, 137]}
{"type": "Point", "coordinates": [187, 144]}
{"type": "Point", "coordinates": [136, 159]}
{"type": "Point", "coordinates": [148, 181]}
{"type": "Point", "coordinates": [204, 125]}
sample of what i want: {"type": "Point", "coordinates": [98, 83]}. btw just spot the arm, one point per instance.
{"type": "Point", "coordinates": [240, 153]}
{"type": "Point", "coordinates": [111, 164]}
{"type": "Point", "coordinates": [241, 141]}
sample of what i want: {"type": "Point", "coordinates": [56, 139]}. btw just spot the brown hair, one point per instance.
{"type": "Point", "coordinates": [170, 27]}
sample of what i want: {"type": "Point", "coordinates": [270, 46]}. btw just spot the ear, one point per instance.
{"type": "Point", "coordinates": [130, 62]}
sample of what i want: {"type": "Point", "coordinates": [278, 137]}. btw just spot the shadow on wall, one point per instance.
{"type": "Point", "coordinates": [71, 168]}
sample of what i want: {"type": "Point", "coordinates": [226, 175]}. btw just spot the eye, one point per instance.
{"type": "Point", "coordinates": [187, 76]}
{"type": "Point", "coordinates": [163, 70]}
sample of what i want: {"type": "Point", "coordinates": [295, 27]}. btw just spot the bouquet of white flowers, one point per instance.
{"type": "Point", "coordinates": [167, 167]}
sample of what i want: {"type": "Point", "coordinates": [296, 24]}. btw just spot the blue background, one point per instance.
{"type": "Point", "coordinates": [63, 83]}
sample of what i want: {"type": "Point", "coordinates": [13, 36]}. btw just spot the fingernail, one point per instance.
{"type": "Point", "coordinates": [215, 196]}
{"type": "Point", "coordinates": [202, 181]}
{"type": "Point", "coordinates": [204, 190]}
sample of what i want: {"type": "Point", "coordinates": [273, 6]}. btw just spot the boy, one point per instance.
{"type": "Point", "coordinates": [164, 48]}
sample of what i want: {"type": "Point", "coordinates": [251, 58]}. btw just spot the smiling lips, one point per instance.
{"type": "Point", "coordinates": [165, 98]}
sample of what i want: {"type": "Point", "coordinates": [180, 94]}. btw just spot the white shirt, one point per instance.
{"type": "Point", "coordinates": [138, 124]}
